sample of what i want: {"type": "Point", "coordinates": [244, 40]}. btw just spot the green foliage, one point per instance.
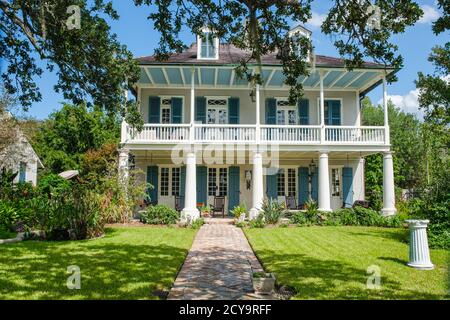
{"type": "Point", "coordinates": [258, 222]}
{"type": "Point", "coordinates": [239, 210]}
{"type": "Point", "coordinates": [198, 223]}
{"type": "Point", "coordinates": [272, 211]}
{"type": "Point", "coordinates": [160, 214]}
{"type": "Point", "coordinates": [53, 184]}
{"type": "Point", "coordinates": [89, 61]}
{"type": "Point", "coordinates": [63, 140]}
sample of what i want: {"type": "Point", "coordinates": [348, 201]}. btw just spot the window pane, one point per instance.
{"type": "Point", "coordinates": [212, 181]}
{"type": "Point", "coordinates": [165, 115]}
{"type": "Point", "coordinates": [291, 182]}
{"type": "Point", "coordinates": [292, 115]}
{"type": "Point", "coordinates": [223, 118]}
{"type": "Point", "coordinates": [212, 116]}
{"type": "Point", "coordinates": [335, 183]}
{"type": "Point", "coordinates": [176, 181]}
{"type": "Point", "coordinates": [164, 181]}
{"type": "Point", "coordinates": [280, 182]}
{"type": "Point", "coordinates": [223, 182]}
{"type": "Point", "coordinates": [281, 117]}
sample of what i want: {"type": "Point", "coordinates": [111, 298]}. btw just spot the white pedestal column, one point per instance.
{"type": "Point", "coordinates": [419, 254]}
{"type": "Point", "coordinates": [190, 212]}
{"type": "Point", "coordinates": [123, 164]}
{"type": "Point", "coordinates": [257, 186]}
{"type": "Point", "coordinates": [324, 183]}
{"type": "Point", "coordinates": [388, 186]}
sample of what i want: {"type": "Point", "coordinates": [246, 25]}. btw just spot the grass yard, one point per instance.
{"type": "Point", "coordinates": [128, 263]}
{"type": "Point", "coordinates": [5, 234]}
{"type": "Point", "coordinates": [332, 262]}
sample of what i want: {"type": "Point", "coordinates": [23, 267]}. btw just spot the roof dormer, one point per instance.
{"type": "Point", "coordinates": [207, 45]}
{"type": "Point", "coordinates": [300, 31]}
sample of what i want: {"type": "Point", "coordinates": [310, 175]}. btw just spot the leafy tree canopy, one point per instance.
{"type": "Point", "coordinates": [89, 61]}
{"type": "Point", "coordinates": [262, 27]}
{"type": "Point", "coordinates": [69, 133]}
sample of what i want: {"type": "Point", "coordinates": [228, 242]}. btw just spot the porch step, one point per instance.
{"type": "Point", "coordinates": [218, 220]}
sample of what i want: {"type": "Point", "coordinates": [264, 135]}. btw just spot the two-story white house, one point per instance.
{"type": "Point", "coordinates": [210, 135]}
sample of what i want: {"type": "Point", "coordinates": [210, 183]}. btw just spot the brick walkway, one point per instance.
{"type": "Point", "coordinates": [218, 266]}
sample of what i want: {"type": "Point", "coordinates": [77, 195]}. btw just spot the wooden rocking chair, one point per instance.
{"type": "Point", "coordinates": [219, 206]}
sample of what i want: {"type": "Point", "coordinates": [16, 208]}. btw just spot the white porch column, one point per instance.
{"type": "Point", "coordinates": [257, 186]}
{"type": "Point", "coordinates": [192, 113]}
{"type": "Point", "coordinates": [190, 212]}
{"type": "Point", "coordinates": [324, 183]}
{"type": "Point", "coordinates": [258, 118]}
{"type": "Point", "coordinates": [123, 167]}
{"type": "Point", "coordinates": [385, 109]}
{"type": "Point", "coordinates": [322, 110]}
{"type": "Point", "coordinates": [388, 185]}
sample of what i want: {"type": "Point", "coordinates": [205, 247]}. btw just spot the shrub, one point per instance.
{"type": "Point", "coordinates": [160, 214]}
{"type": "Point", "coordinates": [54, 185]}
{"type": "Point", "coordinates": [198, 223]}
{"type": "Point", "coordinates": [258, 222]}
{"type": "Point", "coordinates": [8, 215]}
{"type": "Point", "coordinates": [299, 218]}
{"type": "Point", "coordinates": [238, 211]}
{"type": "Point", "coordinates": [272, 211]}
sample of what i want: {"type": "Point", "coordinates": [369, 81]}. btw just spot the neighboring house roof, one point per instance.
{"type": "Point", "coordinates": [230, 55]}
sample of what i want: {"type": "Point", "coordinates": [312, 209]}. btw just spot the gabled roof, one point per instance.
{"type": "Point", "coordinates": [230, 55]}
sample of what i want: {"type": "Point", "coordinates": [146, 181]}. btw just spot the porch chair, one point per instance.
{"type": "Point", "coordinates": [219, 206]}
{"type": "Point", "coordinates": [291, 203]}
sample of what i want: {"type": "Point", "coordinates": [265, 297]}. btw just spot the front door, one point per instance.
{"type": "Point", "coordinates": [336, 188]}
{"type": "Point", "coordinates": [218, 184]}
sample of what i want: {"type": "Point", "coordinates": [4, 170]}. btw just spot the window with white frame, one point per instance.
{"type": "Point", "coordinates": [164, 182]}
{"type": "Point", "coordinates": [335, 182]}
{"type": "Point", "coordinates": [286, 180]}
{"type": "Point", "coordinates": [207, 45]}
{"type": "Point", "coordinates": [223, 182]}
{"type": "Point", "coordinates": [291, 182]}
{"type": "Point", "coordinates": [296, 34]}
{"type": "Point", "coordinates": [176, 181]}
{"type": "Point", "coordinates": [212, 181]}
{"type": "Point", "coordinates": [217, 110]}
{"type": "Point", "coordinates": [281, 181]}
{"type": "Point", "coordinates": [169, 181]}
{"type": "Point", "coordinates": [286, 113]}
{"type": "Point", "coordinates": [166, 105]}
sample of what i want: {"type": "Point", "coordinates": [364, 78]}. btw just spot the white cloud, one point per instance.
{"type": "Point", "coordinates": [316, 20]}
{"type": "Point", "coordinates": [430, 14]}
{"type": "Point", "coordinates": [408, 102]}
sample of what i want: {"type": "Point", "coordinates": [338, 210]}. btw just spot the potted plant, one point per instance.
{"type": "Point", "coordinates": [205, 211]}
{"type": "Point", "coordinates": [263, 282]}
{"type": "Point", "coordinates": [239, 212]}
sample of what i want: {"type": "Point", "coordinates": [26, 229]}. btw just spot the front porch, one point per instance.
{"type": "Point", "coordinates": [334, 179]}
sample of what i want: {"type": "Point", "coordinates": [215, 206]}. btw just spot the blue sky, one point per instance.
{"type": "Point", "coordinates": [135, 31]}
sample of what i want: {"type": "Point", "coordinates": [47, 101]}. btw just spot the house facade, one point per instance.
{"type": "Point", "coordinates": [209, 134]}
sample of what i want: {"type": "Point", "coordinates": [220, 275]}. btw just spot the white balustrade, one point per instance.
{"type": "Point", "coordinates": [286, 134]}
{"type": "Point", "coordinates": [290, 134]}
{"type": "Point", "coordinates": [225, 133]}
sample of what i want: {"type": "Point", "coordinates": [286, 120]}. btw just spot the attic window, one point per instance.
{"type": "Point", "coordinates": [207, 45]}
{"type": "Point", "coordinates": [296, 34]}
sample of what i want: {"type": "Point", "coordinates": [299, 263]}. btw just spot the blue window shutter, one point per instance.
{"type": "Point", "coordinates": [303, 111]}
{"type": "Point", "coordinates": [152, 178]}
{"type": "Point", "coordinates": [177, 110]}
{"type": "Point", "coordinates": [154, 106]}
{"type": "Point", "coordinates": [22, 171]}
{"type": "Point", "coordinates": [335, 112]}
{"type": "Point", "coordinates": [202, 185]}
{"type": "Point", "coordinates": [271, 185]}
{"type": "Point", "coordinates": [315, 186]}
{"type": "Point", "coordinates": [182, 185]}
{"type": "Point", "coordinates": [233, 114]}
{"type": "Point", "coordinates": [233, 187]}
{"type": "Point", "coordinates": [327, 114]}
{"type": "Point", "coordinates": [271, 111]}
{"type": "Point", "coordinates": [347, 186]}
{"type": "Point", "coordinates": [303, 185]}
{"type": "Point", "coordinates": [200, 109]}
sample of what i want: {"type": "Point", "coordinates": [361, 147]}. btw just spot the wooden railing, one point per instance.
{"type": "Point", "coordinates": [203, 133]}
{"type": "Point", "coordinates": [225, 133]}
{"type": "Point", "coordinates": [290, 134]}
{"type": "Point", "coordinates": [348, 134]}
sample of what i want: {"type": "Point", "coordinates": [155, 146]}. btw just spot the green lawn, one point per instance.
{"type": "Point", "coordinates": [4, 234]}
{"type": "Point", "coordinates": [331, 262]}
{"type": "Point", "coordinates": [128, 263]}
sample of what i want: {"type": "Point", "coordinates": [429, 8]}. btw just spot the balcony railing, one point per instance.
{"type": "Point", "coordinates": [203, 133]}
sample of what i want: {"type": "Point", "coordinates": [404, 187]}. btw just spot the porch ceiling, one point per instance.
{"type": "Point", "coordinates": [338, 79]}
